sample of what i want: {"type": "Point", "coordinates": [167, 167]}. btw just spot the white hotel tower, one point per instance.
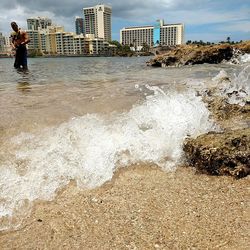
{"type": "Point", "coordinates": [97, 21]}
{"type": "Point", "coordinates": [159, 34]}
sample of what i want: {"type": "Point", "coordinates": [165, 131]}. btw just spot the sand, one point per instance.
{"type": "Point", "coordinates": [141, 208]}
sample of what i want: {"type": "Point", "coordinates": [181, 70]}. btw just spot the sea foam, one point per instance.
{"type": "Point", "coordinates": [235, 89]}
{"type": "Point", "coordinates": [245, 58]}
{"type": "Point", "coordinates": [90, 148]}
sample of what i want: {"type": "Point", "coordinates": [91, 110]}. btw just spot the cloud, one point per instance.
{"type": "Point", "coordinates": [130, 12]}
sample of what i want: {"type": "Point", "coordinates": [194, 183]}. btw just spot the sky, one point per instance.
{"type": "Point", "coordinates": [206, 20]}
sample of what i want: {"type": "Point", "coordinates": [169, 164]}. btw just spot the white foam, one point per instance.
{"type": "Point", "coordinates": [245, 58]}
{"type": "Point", "coordinates": [237, 89]}
{"type": "Point", "coordinates": [88, 149]}
{"type": "Point", "coordinates": [222, 76]}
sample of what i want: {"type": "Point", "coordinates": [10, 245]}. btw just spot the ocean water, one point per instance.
{"type": "Point", "coordinates": [83, 118]}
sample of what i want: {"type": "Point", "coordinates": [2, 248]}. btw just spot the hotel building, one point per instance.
{"type": "Point", "coordinates": [34, 23]}
{"type": "Point", "coordinates": [5, 47]}
{"type": "Point", "coordinates": [2, 43]}
{"type": "Point", "coordinates": [160, 34]}
{"type": "Point", "coordinates": [51, 39]}
{"type": "Point", "coordinates": [55, 41]}
{"type": "Point", "coordinates": [97, 21]}
{"type": "Point", "coordinates": [34, 43]}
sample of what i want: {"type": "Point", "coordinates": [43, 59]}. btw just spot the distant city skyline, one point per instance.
{"type": "Point", "coordinates": [207, 20]}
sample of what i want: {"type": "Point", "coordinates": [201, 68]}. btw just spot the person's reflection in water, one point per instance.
{"type": "Point", "coordinates": [24, 86]}
{"type": "Point", "coordinates": [24, 83]}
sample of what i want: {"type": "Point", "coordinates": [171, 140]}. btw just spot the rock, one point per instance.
{"type": "Point", "coordinates": [226, 153]}
{"type": "Point", "coordinates": [196, 54]}
{"type": "Point", "coordinates": [223, 111]}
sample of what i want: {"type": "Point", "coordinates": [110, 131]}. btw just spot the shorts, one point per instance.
{"type": "Point", "coordinates": [21, 57]}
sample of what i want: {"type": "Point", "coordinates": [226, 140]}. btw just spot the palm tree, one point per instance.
{"type": "Point", "coordinates": [135, 46]}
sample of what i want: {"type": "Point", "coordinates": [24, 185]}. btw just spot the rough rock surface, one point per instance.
{"type": "Point", "coordinates": [197, 54]}
{"type": "Point", "coordinates": [224, 112]}
{"type": "Point", "coordinates": [226, 153]}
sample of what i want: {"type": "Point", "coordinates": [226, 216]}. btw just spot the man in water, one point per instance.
{"type": "Point", "coordinates": [19, 39]}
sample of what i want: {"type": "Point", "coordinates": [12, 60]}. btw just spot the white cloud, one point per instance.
{"type": "Point", "coordinates": [224, 15]}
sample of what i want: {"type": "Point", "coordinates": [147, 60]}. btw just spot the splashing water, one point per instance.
{"type": "Point", "coordinates": [88, 149]}
{"type": "Point", "coordinates": [245, 58]}
{"type": "Point", "coordinates": [235, 90]}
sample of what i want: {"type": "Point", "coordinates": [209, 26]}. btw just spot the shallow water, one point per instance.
{"type": "Point", "coordinates": [82, 118]}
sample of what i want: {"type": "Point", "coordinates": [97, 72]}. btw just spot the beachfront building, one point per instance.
{"type": "Point", "coordinates": [64, 43]}
{"type": "Point", "coordinates": [5, 47]}
{"type": "Point", "coordinates": [137, 36]}
{"type": "Point", "coordinates": [34, 43]}
{"type": "Point", "coordinates": [95, 45]}
{"type": "Point", "coordinates": [49, 38]}
{"type": "Point", "coordinates": [53, 40]}
{"type": "Point", "coordinates": [159, 34]}
{"type": "Point", "coordinates": [79, 25]}
{"type": "Point", "coordinates": [2, 43]}
{"type": "Point", "coordinates": [34, 23]}
{"type": "Point", "coordinates": [97, 21]}
{"type": "Point", "coordinates": [42, 40]}
{"type": "Point", "coordinates": [81, 45]}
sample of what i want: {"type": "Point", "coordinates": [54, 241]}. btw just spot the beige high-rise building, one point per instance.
{"type": "Point", "coordinates": [97, 21]}
{"type": "Point", "coordinates": [2, 42]}
{"type": "Point", "coordinates": [53, 40]}
{"type": "Point", "coordinates": [34, 23]}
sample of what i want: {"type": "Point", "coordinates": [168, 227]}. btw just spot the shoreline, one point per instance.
{"type": "Point", "coordinates": [142, 207]}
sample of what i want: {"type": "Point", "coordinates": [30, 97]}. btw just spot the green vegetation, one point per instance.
{"type": "Point", "coordinates": [34, 53]}
{"type": "Point", "coordinates": [122, 50]}
{"type": "Point", "coordinates": [228, 40]}
{"type": "Point", "coordinates": [145, 47]}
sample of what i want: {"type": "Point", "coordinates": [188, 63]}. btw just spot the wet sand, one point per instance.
{"type": "Point", "coordinates": [141, 208]}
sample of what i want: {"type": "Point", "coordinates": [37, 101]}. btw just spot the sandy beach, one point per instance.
{"type": "Point", "coordinates": [83, 125]}
{"type": "Point", "coordinates": [142, 207]}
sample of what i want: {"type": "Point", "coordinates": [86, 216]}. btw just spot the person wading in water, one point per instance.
{"type": "Point", "coordinates": [19, 39]}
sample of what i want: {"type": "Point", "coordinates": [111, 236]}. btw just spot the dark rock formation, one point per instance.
{"type": "Point", "coordinates": [197, 54]}
{"type": "Point", "coordinates": [226, 153]}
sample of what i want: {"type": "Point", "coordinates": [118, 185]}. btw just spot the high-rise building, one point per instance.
{"type": "Point", "coordinates": [2, 42]}
{"type": "Point", "coordinates": [34, 23]}
{"type": "Point", "coordinates": [97, 21]}
{"type": "Point", "coordinates": [34, 43]}
{"type": "Point", "coordinates": [159, 34]}
{"type": "Point", "coordinates": [53, 40]}
{"type": "Point", "coordinates": [79, 25]}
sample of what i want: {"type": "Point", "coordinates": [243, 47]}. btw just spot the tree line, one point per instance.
{"type": "Point", "coordinates": [228, 40]}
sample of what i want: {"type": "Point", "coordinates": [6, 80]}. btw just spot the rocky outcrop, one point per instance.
{"type": "Point", "coordinates": [217, 153]}
{"type": "Point", "coordinates": [226, 153]}
{"type": "Point", "coordinates": [198, 54]}
{"type": "Point", "coordinates": [224, 113]}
